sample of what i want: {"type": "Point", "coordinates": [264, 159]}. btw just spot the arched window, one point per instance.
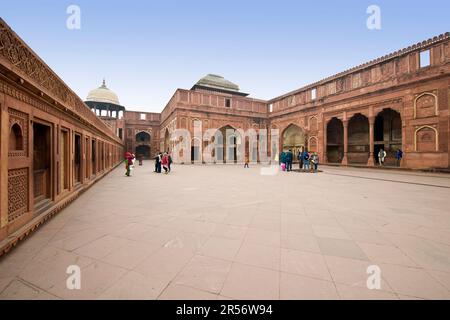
{"type": "Point", "coordinates": [15, 138]}
{"type": "Point", "coordinates": [142, 137]}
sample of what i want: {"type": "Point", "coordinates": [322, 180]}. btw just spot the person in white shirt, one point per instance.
{"type": "Point", "coordinates": [381, 156]}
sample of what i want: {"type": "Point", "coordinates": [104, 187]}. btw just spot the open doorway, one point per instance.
{"type": "Point", "coordinates": [87, 157]}
{"type": "Point", "coordinates": [64, 160]}
{"type": "Point", "coordinates": [195, 150]}
{"type": "Point", "coordinates": [388, 134]}
{"type": "Point", "coordinates": [143, 152]}
{"type": "Point", "coordinates": [93, 157]}
{"type": "Point", "coordinates": [42, 173]}
{"type": "Point", "coordinates": [335, 141]}
{"type": "Point", "coordinates": [226, 145]}
{"type": "Point", "coordinates": [77, 159]}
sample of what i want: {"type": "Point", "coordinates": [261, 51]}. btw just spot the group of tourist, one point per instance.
{"type": "Point", "coordinates": [308, 161]}
{"type": "Point", "coordinates": [163, 161]}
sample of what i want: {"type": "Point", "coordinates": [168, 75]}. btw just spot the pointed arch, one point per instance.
{"type": "Point", "coordinates": [425, 105]}
{"type": "Point", "coordinates": [387, 134]}
{"type": "Point", "coordinates": [226, 146]}
{"type": "Point", "coordinates": [313, 144]}
{"type": "Point", "coordinates": [196, 150]}
{"type": "Point", "coordinates": [426, 142]}
{"type": "Point", "coordinates": [313, 123]}
{"type": "Point", "coordinates": [142, 137]}
{"type": "Point", "coordinates": [293, 138]}
{"type": "Point", "coordinates": [16, 138]}
{"type": "Point", "coordinates": [358, 139]}
{"type": "Point", "coordinates": [335, 140]}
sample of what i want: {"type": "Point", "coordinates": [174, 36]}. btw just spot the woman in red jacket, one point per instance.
{"type": "Point", "coordinates": [165, 162]}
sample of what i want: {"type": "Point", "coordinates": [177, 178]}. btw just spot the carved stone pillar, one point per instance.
{"type": "Point", "coordinates": [324, 147]}
{"type": "Point", "coordinates": [345, 159]}
{"type": "Point", "coordinates": [4, 136]}
{"type": "Point", "coordinates": [370, 161]}
{"type": "Point", "coordinates": [403, 162]}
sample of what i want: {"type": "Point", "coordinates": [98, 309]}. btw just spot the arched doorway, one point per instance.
{"type": "Point", "coordinates": [358, 139]}
{"type": "Point", "coordinates": [77, 159]}
{"type": "Point", "coordinates": [142, 150]}
{"type": "Point", "coordinates": [196, 150]}
{"type": "Point", "coordinates": [335, 141]}
{"type": "Point", "coordinates": [226, 146]}
{"type": "Point", "coordinates": [388, 134]}
{"type": "Point", "coordinates": [293, 139]}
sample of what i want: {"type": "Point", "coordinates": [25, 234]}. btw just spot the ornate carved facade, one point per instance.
{"type": "Point", "coordinates": [52, 146]}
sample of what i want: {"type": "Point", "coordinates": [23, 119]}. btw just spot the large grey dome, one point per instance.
{"type": "Point", "coordinates": [217, 82]}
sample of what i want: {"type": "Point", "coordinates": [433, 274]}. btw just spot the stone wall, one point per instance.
{"type": "Point", "coordinates": [52, 146]}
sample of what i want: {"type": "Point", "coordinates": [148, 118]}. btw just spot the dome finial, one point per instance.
{"type": "Point", "coordinates": [104, 83]}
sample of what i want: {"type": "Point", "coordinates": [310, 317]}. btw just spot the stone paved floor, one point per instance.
{"type": "Point", "coordinates": [224, 232]}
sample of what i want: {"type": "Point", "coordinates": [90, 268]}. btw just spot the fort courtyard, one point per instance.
{"type": "Point", "coordinates": [296, 82]}
{"type": "Point", "coordinates": [225, 232]}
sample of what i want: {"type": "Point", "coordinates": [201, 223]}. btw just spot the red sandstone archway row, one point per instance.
{"type": "Point", "coordinates": [357, 138]}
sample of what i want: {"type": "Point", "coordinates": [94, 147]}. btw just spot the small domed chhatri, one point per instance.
{"type": "Point", "coordinates": [103, 94]}
{"type": "Point", "coordinates": [104, 102]}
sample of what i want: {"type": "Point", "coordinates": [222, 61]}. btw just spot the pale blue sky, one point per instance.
{"type": "Point", "coordinates": [147, 49]}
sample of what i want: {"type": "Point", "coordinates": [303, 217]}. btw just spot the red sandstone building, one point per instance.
{"type": "Point", "coordinates": [399, 101]}
{"type": "Point", "coordinates": [53, 145]}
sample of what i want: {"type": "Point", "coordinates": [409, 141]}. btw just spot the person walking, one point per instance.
{"type": "Point", "coordinates": [160, 155]}
{"type": "Point", "coordinates": [306, 161]}
{"type": "Point", "coordinates": [399, 156]}
{"type": "Point", "coordinates": [300, 159]}
{"type": "Point", "coordinates": [314, 162]}
{"type": "Point", "coordinates": [246, 162]}
{"type": "Point", "coordinates": [165, 163]}
{"type": "Point", "coordinates": [157, 159]}
{"type": "Point", "coordinates": [170, 160]}
{"type": "Point", "coordinates": [128, 163]}
{"type": "Point", "coordinates": [289, 158]}
{"type": "Point", "coordinates": [381, 156]}
{"type": "Point", "coordinates": [283, 160]}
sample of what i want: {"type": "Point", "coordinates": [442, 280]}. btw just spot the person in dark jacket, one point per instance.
{"type": "Point", "coordinates": [289, 159]}
{"type": "Point", "coordinates": [398, 156]}
{"type": "Point", "coordinates": [300, 159]}
{"type": "Point", "coordinates": [283, 160]}
{"type": "Point", "coordinates": [283, 157]}
{"type": "Point", "coordinates": [158, 162]}
{"type": "Point", "coordinates": [306, 160]}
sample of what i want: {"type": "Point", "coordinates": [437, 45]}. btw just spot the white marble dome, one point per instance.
{"type": "Point", "coordinates": [103, 94]}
